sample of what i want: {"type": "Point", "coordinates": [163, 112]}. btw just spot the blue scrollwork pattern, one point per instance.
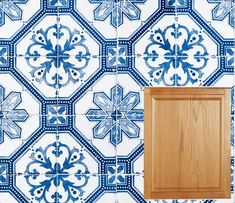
{"type": "Point", "coordinates": [63, 169]}
{"type": "Point", "coordinates": [58, 64]}
{"type": "Point", "coordinates": [164, 56]}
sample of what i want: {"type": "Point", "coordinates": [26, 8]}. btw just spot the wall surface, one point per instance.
{"type": "Point", "coordinates": [72, 75]}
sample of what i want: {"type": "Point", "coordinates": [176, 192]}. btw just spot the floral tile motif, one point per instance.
{"type": "Point", "coordinates": [10, 115]}
{"type": "Point", "coordinates": [72, 78]}
{"type": "Point", "coordinates": [224, 9]}
{"type": "Point", "coordinates": [86, 130]}
{"type": "Point", "coordinates": [37, 155]}
{"type": "Point", "coordinates": [219, 16]}
{"type": "Point", "coordinates": [10, 9]}
{"type": "Point", "coordinates": [116, 11]}
{"type": "Point", "coordinates": [13, 15]}
{"type": "Point", "coordinates": [121, 116]}
{"type": "Point", "coordinates": [57, 115]}
{"type": "Point", "coordinates": [61, 188]}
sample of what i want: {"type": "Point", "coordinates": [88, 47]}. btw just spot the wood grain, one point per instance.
{"type": "Point", "coordinates": [187, 151]}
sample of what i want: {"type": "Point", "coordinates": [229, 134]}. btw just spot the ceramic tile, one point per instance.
{"type": "Point", "coordinates": [154, 70]}
{"type": "Point", "coordinates": [102, 17]}
{"type": "Point", "coordinates": [158, 39]}
{"type": "Point", "coordinates": [128, 79]}
{"type": "Point", "coordinates": [19, 132]}
{"type": "Point", "coordinates": [78, 75]}
{"type": "Point", "coordinates": [215, 71]}
{"type": "Point", "coordinates": [98, 135]}
{"type": "Point", "coordinates": [193, 39]}
{"type": "Point", "coordinates": [38, 74]}
{"type": "Point", "coordinates": [17, 96]}
{"type": "Point", "coordinates": [75, 153]}
{"type": "Point", "coordinates": [72, 78]}
{"type": "Point", "coordinates": [218, 15]}
{"type": "Point", "coordinates": [130, 189]}
{"type": "Point", "coordinates": [35, 149]}
{"type": "Point", "coordinates": [136, 16]}
{"type": "Point", "coordinates": [85, 188]}
{"type": "Point", "coordinates": [98, 98]}
{"type": "Point", "coordinates": [34, 188]}
{"type": "Point", "coordinates": [38, 39]}
{"type": "Point", "coordinates": [197, 70]}
{"type": "Point", "coordinates": [17, 19]}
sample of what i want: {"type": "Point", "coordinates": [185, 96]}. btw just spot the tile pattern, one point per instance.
{"type": "Point", "coordinates": [72, 75]}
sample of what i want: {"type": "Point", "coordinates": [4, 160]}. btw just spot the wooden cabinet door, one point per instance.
{"type": "Point", "coordinates": [187, 143]}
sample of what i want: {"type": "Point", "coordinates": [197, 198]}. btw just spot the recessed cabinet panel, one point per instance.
{"type": "Point", "coordinates": [187, 137]}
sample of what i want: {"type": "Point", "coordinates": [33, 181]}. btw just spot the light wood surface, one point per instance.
{"type": "Point", "coordinates": [187, 143]}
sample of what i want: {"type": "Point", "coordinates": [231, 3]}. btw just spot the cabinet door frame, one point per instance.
{"type": "Point", "coordinates": [151, 94]}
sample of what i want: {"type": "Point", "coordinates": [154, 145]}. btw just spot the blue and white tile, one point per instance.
{"type": "Point", "coordinates": [98, 95]}
{"type": "Point", "coordinates": [39, 39]}
{"type": "Point", "coordinates": [130, 189]}
{"type": "Point", "coordinates": [129, 79]}
{"type": "Point", "coordinates": [17, 97]}
{"type": "Point", "coordinates": [75, 39]}
{"type": "Point", "coordinates": [77, 74]}
{"type": "Point", "coordinates": [158, 39]}
{"type": "Point", "coordinates": [4, 173]}
{"type": "Point", "coordinates": [14, 16]}
{"type": "Point", "coordinates": [4, 56]}
{"type": "Point", "coordinates": [40, 74]}
{"type": "Point", "coordinates": [130, 145]}
{"type": "Point", "coordinates": [218, 15]}
{"type": "Point", "coordinates": [158, 71]}
{"type": "Point", "coordinates": [183, 70]}
{"type": "Point", "coordinates": [8, 197]}
{"type": "Point", "coordinates": [131, 163]}
{"type": "Point", "coordinates": [16, 132]}
{"type": "Point", "coordinates": [136, 15]}
{"type": "Point", "coordinates": [197, 71]}
{"type": "Point", "coordinates": [57, 4]}
{"type": "Point", "coordinates": [102, 17]}
{"type": "Point", "coordinates": [85, 188]}
{"type": "Point", "coordinates": [193, 39]}
{"type": "Point", "coordinates": [72, 75]}
{"type": "Point", "coordinates": [75, 154]}
{"type": "Point", "coordinates": [98, 133]}
{"type": "Point", "coordinates": [39, 154]}
{"type": "Point", "coordinates": [57, 114]}
{"type": "Point", "coordinates": [35, 188]}
{"type": "Point", "coordinates": [177, 4]}
{"type": "Point", "coordinates": [205, 71]}
{"type": "Point", "coordinates": [225, 80]}
{"type": "Point", "coordinates": [129, 123]}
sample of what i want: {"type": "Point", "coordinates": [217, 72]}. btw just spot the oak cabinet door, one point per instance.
{"type": "Point", "coordinates": [187, 143]}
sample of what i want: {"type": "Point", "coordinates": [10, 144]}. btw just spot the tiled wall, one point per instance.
{"type": "Point", "coordinates": [72, 75]}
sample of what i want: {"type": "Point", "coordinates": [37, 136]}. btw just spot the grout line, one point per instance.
{"type": "Point", "coordinates": [127, 56]}
{"type": "Point", "coordinates": [116, 147]}
{"type": "Point", "coordinates": [90, 174]}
